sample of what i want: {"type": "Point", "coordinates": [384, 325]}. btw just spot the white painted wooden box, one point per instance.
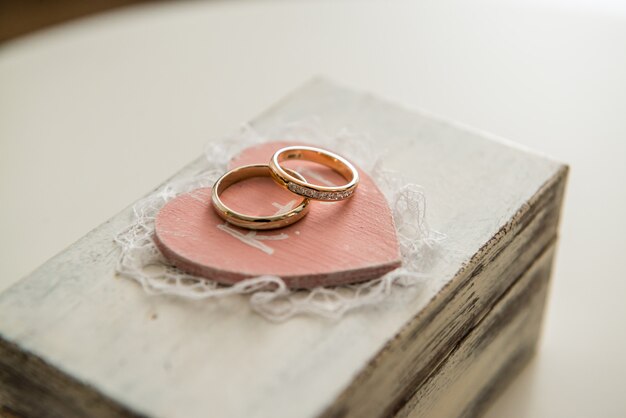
{"type": "Point", "coordinates": [77, 341]}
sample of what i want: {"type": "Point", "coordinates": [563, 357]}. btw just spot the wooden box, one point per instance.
{"type": "Point", "coordinates": [76, 341]}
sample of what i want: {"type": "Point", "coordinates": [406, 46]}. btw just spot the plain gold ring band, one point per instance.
{"type": "Point", "coordinates": [254, 222]}
{"type": "Point", "coordinates": [298, 185]}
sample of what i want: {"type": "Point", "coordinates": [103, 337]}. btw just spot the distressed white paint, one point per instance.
{"type": "Point", "coordinates": [164, 357]}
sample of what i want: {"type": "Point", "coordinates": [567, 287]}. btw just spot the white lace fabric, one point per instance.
{"type": "Point", "coordinates": [140, 260]}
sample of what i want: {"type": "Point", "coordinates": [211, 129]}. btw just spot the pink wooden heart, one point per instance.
{"type": "Point", "coordinates": [336, 243]}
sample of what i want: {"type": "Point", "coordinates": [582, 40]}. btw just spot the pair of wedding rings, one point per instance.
{"type": "Point", "coordinates": [290, 180]}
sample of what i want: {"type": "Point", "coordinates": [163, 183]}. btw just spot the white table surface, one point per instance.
{"type": "Point", "coordinates": [95, 113]}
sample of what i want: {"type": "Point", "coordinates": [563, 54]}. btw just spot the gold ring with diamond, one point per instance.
{"type": "Point", "coordinates": [297, 185]}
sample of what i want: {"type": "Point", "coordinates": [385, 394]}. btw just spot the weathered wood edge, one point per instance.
{"type": "Point", "coordinates": [356, 398]}
{"type": "Point", "coordinates": [505, 340]}
{"type": "Point", "coordinates": [526, 349]}
{"type": "Point", "coordinates": [25, 377]}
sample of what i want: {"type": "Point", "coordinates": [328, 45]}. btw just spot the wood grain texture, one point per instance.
{"type": "Point", "coordinates": [408, 360]}
{"type": "Point", "coordinates": [336, 243]}
{"type": "Point", "coordinates": [31, 388]}
{"type": "Point", "coordinates": [161, 357]}
{"type": "Point", "coordinates": [488, 357]}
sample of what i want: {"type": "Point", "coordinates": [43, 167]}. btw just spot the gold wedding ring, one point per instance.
{"type": "Point", "coordinates": [254, 222]}
{"type": "Point", "coordinates": [296, 184]}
